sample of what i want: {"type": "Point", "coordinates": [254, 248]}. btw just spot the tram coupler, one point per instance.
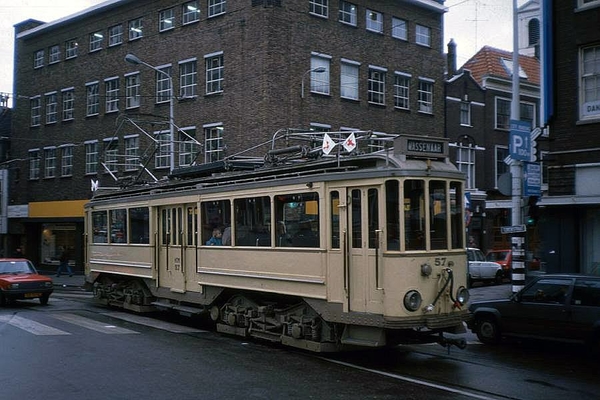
{"type": "Point", "coordinates": [447, 342]}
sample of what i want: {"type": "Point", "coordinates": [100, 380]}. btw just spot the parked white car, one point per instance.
{"type": "Point", "coordinates": [481, 270]}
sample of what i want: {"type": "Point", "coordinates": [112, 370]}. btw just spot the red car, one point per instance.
{"type": "Point", "coordinates": [19, 280]}
{"type": "Point", "coordinates": [502, 257]}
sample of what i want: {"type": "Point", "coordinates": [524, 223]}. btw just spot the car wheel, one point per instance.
{"type": "Point", "coordinates": [44, 299]}
{"type": "Point", "coordinates": [499, 278]}
{"type": "Point", "coordinates": [487, 330]}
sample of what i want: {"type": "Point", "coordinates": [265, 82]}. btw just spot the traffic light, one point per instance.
{"type": "Point", "coordinates": [534, 211]}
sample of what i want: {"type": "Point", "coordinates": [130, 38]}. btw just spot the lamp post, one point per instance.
{"type": "Point", "coordinates": [318, 70]}
{"type": "Point", "coordinates": [130, 58]}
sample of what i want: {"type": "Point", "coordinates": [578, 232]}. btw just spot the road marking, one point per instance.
{"type": "Point", "coordinates": [153, 323]}
{"type": "Point", "coordinates": [31, 326]}
{"type": "Point", "coordinates": [92, 324]}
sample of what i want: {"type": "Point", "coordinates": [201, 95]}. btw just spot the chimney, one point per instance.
{"type": "Point", "coordinates": [451, 58]}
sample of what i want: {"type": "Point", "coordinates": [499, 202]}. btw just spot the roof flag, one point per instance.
{"type": "Point", "coordinates": [350, 143]}
{"type": "Point", "coordinates": [328, 144]}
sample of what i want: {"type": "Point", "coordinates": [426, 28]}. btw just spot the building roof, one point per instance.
{"type": "Point", "coordinates": [490, 62]}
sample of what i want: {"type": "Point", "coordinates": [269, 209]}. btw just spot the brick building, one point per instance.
{"type": "Point", "coordinates": [239, 71]}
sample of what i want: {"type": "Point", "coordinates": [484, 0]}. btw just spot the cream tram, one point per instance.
{"type": "Point", "coordinates": [321, 252]}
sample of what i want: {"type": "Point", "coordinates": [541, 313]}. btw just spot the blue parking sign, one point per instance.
{"type": "Point", "coordinates": [520, 140]}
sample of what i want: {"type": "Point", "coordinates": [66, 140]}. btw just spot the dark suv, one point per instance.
{"type": "Point", "coordinates": [555, 307]}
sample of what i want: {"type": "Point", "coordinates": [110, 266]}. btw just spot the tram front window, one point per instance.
{"type": "Point", "coordinates": [414, 214]}
{"type": "Point", "coordinates": [438, 214]}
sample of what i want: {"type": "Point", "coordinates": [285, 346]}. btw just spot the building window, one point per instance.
{"type": "Point", "coordinates": [214, 73]}
{"type": "Point", "coordinates": [423, 36]}
{"type": "Point", "coordinates": [91, 157]}
{"type": "Point", "coordinates": [115, 35]}
{"type": "Point", "coordinates": [465, 113]}
{"type": "Point", "coordinates": [527, 112]}
{"type": "Point", "coordinates": [112, 95]}
{"type": "Point", "coordinates": [376, 91]}
{"type": "Point", "coordinates": [111, 151]}
{"type": "Point", "coordinates": [188, 78]}
{"type": "Point", "coordinates": [534, 31]}
{"type": "Point", "coordinates": [590, 83]}
{"type": "Point", "coordinates": [166, 19]}
{"type": "Point", "coordinates": [92, 98]}
{"type": "Point", "coordinates": [216, 7]}
{"type": "Point", "coordinates": [425, 96]}
{"type": "Point", "coordinates": [51, 107]}
{"type": "Point", "coordinates": [348, 13]}
{"type": "Point", "coordinates": [136, 29]}
{"type": "Point", "coordinates": [213, 143]}
{"type": "Point", "coordinates": [132, 147]}
{"type": "Point", "coordinates": [319, 7]}
{"type": "Point", "coordinates": [501, 166]}
{"type": "Point", "coordinates": [54, 56]}
{"type": "Point", "coordinates": [319, 81]}
{"type": "Point", "coordinates": [374, 21]}
{"type": "Point", "coordinates": [349, 79]}
{"type": "Point", "coordinates": [402, 91]}
{"type": "Point", "coordinates": [190, 12]}
{"type": "Point", "coordinates": [68, 104]}
{"type": "Point", "coordinates": [132, 90]}
{"type": "Point", "coordinates": [38, 59]}
{"type": "Point", "coordinates": [96, 40]}
{"type": "Point", "coordinates": [71, 49]}
{"type": "Point", "coordinates": [465, 161]}
{"type": "Point", "coordinates": [163, 85]}
{"type": "Point", "coordinates": [188, 147]}
{"type": "Point", "coordinates": [503, 106]}
{"type": "Point", "coordinates": [399, 28]}
{"type": "Point", "coordinates": [50, 162]}
{"type": "Point", "coordinates": [36, 110]}
{"type": "Point", "coordinates": [66, 161]}
{"type": "Point", "coordinates": [34, 164]}
{"type": "Point", "coordinates": [162, 158]}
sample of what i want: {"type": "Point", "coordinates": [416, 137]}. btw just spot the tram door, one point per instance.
{"type": "Point", "coordinates": [171, 250]}
{"type": "Point", "coordinates": [363, 236]}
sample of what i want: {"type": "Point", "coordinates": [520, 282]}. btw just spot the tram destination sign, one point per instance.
{"type": "Point", "coordinates": [423, 146]}
{"type": "Point", "coordinates": [506, 230]}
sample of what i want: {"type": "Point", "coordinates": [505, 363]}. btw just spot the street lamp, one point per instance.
{"type": "Point", "coordinates": [318, 70]}
{"type": "Point", "coordinates": [130, 58]}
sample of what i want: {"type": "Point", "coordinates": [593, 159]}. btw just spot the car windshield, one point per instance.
{"type": "Point", "coordinates": [16, 267]}
{"type": "Point", "coordinates": [497, 256]}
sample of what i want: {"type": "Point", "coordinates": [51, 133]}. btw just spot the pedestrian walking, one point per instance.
{"type": "Point", "coordinates": [64, 263]}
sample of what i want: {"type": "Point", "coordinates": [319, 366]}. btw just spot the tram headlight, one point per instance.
{"type": "Point", "coordinates": [462, 295]}
{"type": "Point", "coordinates": [412, 300]}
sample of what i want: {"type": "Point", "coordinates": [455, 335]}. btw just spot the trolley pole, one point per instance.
{"type": "Point", "coordinates": [516, 169]}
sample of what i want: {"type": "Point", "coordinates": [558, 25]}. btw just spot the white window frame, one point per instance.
{"type": "Point", "coordinates": [163, 84]}
{"type": "Point", "coordinates": [34, 164]}
{"type": "Point", "coordinates": [38, 59]}
{"type": "Point", "coordinates": [136, 29]}
{"type": "Point", "coordinates": [92, 98]}
{"type": "Point", "coordinates": [49, 162]}
{"type": "Point", "coordinates": [132, 148]}
{"type": "Point", "coordinates": [71, 47]}
{"type": "Point", "coordinates": [96, 40]}
{"type": "Point", "coordinates": [402, 90]}
{"type": "Point", "coordinates": [68, 103]}
{"type": "Point", "coordinates": [320, 81]}
{"type": "Point", "coordinates": [213, 142]}
{"type": "Point", "coordinates": [188, 78]}
{"type": "Point", "coordinates": [399, 28]}
{"type": "Point", "coordinates": [132, 90]}
{"type": "Point", "coordinates": [166, 19]}
{"type": "Point", "coordinates": [376, 85]}
{"type": "Point", "coordinates": [214, 66]}
{"type": "Point", "coordinates": [423, 35]}
{"type": "Point", "coordinates": [54, 54]}
{"type": "Point", "coordinates": [115, 35]}
{"type": "Point", "coordinates": [66, 160]}
{"type": "Point", "coordinates": [51, 100]}
{"type": "Point", "coordinates": [589, 83]}
{"type": "Point", "coordinates": [216, 8]}
{"type": "Point", "coordinates": [111, 153]}
{"type": "Point", "coordinates": [465, 162]}
{"type": "Point", "coordinates": [348, 13]}
{"type": "Point", "coordinates": [349, 79]}
{"type": "Point", "coordinates": [162, 157]}
{"type": "Point", "coordinates": [36, 110]}
{"type": "Point", "coordinates": [188, 146]}
{"type": "Point", "coordinates": [465, 113]}
{"type": "Point", "coordinates": [111, 86]}
{"type": "Point", "coordinates": [425, 95]}
{"type": "Point", "coordinates": [319, 8]}
{"type": "Point", "coordinates": [91, 157]}
{"type": "Point", "coordinates": [374, 21]}
{"type": "Point", "coordinates": [190, 12]}
{"type": "Point", "coordinates": [500, 161]}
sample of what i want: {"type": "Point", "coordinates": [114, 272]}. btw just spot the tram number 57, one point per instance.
{"type": "Point", "coordinates": [440, 261]}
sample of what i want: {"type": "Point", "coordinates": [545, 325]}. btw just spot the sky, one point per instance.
{"type": "Point", "coordinates": [471, 23]}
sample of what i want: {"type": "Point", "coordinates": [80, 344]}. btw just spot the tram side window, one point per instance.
{"type": "Point", "coordinates": [335, 219]}
{"type": "Point", "coordinates": [457, 210]}
{"type": "Point", "coordinates": [373, 200]}
{"type": "Point", "coordinates": [253, 221]}
{"type": "Point", "coordinates": [414, 214]}
{"type": "Point", "coordinates": [192, 225]}
{"type": "Point", "coordinates": [139, 222]}
{"type": "Point", "coordinates": [438, 214]}
{"type": "Point", "coordinates": [297, 218]}
{"type": "Point", "coordinates": [99, 227]}
{"type": "Point", "coordinates": [118, 226]}
{"type": "Point", "coordinates": [356, 210]}
{"type": "Point", "coordinates": [216, 218]}
{"type": "Point", "coordinates": [392, 204]}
